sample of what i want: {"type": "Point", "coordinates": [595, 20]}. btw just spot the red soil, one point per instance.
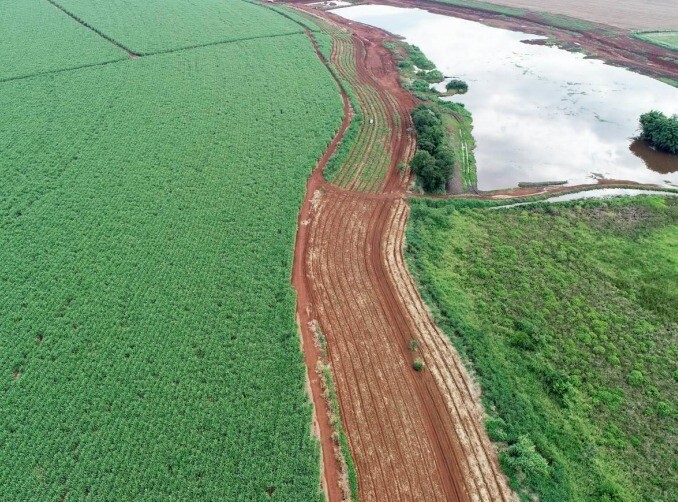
{"type": "Point", "coordinates": [412, 435]}
{"type": "Point", "coordinates": [331, 470]}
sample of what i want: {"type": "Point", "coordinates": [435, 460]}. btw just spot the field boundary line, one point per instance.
{"type": "Point", "coordinates": [129, 51]}
{"type": "Point", "coordinates": [61, 70]}
{"type": "Point", "coordinates": [159, 53]}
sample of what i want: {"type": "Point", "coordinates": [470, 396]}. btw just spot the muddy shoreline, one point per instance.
{"type": "Point", "coordinates": [612, 45]}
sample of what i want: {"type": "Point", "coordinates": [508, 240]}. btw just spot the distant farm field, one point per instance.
{"type": "Point", "coordinates": [629, 14]}
{"type": "Point", "coordinates": [148, 209]}
{"type": "Point", "coordinates": [36, 38]}
{"type": "Point", "coordinates": [156, 25]}
{"type": "Point", "coordinates": [668, 39]}
{"type": "Point", "coordinates": [567, 314]}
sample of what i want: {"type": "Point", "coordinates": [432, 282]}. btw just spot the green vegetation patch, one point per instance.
{"type": "Point", "coordinates": [499, 9]}
{"type": "Point", "coordinates": [666, 39]}
{"type": "Point", "coordinates": [148, 210]}
{"type": "Point", "coordinates": [456, 120]}
{"type": "Point", "coordinates": [660, 131]}
{"type": "Point", "coordinates": [165, 25]}
{"type": "Point", "coordinates": [567, 313]}
{"type": "Point", "coordinates": [35, 37]}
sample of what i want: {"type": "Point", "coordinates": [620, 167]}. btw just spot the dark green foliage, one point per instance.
{"type": "Point", "coordinates": [432, 77]}
{"type": "Point", "coordinates": [419, 85]}
{"type": "Point", "coordinates": [456, 85]}
{"type": "Point", "coordinates": [433, 162]}
{"type": "Point", "coordinates": [418, 58]}
{"type": "Point", "coordinates": [148, 212]}
{"type": "Point", "coordinates": [568, 315]}
{"type": "Point", "coordinates": [429, 127]}
{"type": "Point", "coordinates": [660, 131]}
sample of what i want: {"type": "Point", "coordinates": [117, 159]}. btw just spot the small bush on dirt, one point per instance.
{"type": "Point", "coordinates": [418, 364]}
{"type": "Point", "coordinates": [414, 345]}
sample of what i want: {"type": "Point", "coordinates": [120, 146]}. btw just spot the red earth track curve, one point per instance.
{"type": "Point", "coordinates": [413, 435]}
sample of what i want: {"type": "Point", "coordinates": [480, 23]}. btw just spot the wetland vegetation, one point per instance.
{"type": "Point", "coordinates": [567, 314]}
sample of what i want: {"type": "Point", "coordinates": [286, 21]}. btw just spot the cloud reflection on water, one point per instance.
{"type": "Point", "coordinates": [540, 113]}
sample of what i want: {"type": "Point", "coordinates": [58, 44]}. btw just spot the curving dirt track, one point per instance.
{"type": "Point", "coordinates": [413, 435]}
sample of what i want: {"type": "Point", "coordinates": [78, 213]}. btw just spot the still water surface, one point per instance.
{"type": "Point", "coordinates": [539, 113]}
{"type": "Point", "coordinates": [602, 193]}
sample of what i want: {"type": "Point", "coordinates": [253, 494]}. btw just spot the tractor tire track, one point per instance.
{"type": "Point", "coordinates": [412, 435]}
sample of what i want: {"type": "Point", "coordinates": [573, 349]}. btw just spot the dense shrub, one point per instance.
{"type": "Point", "coordinates": [433, 76]}
{"type": "Point", "coordinates": [660, 131]}
{"type": "Point", "coordinates": [456, 85]}
{"type": "Point", "coordinates": [523, 456]}
{"type": "Point", "coordinates": [419, 58]}
{"type": "Point", "coordinates": [433, 162]}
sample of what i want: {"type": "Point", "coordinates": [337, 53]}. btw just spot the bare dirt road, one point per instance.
{"type": "Point", "coordinates": [413, 435]}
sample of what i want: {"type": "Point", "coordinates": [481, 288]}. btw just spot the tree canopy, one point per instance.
{"type": "Point", "coordinates": [433, 162]}
{"type": "Point", "coordinates": [660, 131]}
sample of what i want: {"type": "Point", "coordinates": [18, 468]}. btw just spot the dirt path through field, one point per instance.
{"type": "Point", "coordinates": [413, 435]}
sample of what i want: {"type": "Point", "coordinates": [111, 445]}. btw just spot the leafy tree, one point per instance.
{"type": "Point", "coordinates": [457, 85]}
{"type": "Point", "coordinates": [660, 131]}
{"type": "Point", "coordinates": [433, 162]}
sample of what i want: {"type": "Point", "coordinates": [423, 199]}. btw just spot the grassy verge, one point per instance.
{"type": "Point", "coordinates": [567, 313]}
{"type": "Point", "coordinates": [457, 119]}
{"type": "Point", "coordinates": [666, 39]}
{"type": "Point", "coordinates": [339, 435]}
{"type": "Point", "coordinates": [497, 9]}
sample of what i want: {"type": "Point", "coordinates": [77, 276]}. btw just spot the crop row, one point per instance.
{"type": "Point", "coordinates": [148, 209]}
{"type": "Point", "coordinates": [36, 38]}
{"type": "Point", "coordinates": [367, 163]}
{"type": "Point", "coordinates": [363, 158]}
{"type": "Point", "coordinates": [167, 25]}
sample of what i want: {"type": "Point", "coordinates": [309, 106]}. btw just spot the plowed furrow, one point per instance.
{"type": "Point", "coordinates": [446, 367]}
{"type": "Point", "coordinates": [374, 374]}
{"type": "Point", "coordinates": [412, 435]}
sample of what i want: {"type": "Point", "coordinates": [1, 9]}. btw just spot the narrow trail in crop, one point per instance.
{"type": "Point", "coordinates": [413, 435]}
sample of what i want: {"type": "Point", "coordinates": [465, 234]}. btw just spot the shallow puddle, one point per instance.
{"type": "Point", "coordinates": [540, 113]}
{"type": "Point", "coordinates": [602, 193]}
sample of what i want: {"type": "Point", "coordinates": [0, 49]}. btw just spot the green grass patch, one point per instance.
{"type": "Point", "coordinates": [498, 9]}
{"type": "Point", "coordinates": [166, 25]}
{"type": "Point", "coordinates": [148, 213]}
{"type": "Point", "coordinates": [35, 37]}
{"type": "Point", "coordinates": [666, 39]}
{"type": "Point", "coordinates": [568, 315]}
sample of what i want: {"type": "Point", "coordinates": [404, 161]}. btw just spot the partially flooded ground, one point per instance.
{"type": "Point", "coordinates": [540, 113]}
